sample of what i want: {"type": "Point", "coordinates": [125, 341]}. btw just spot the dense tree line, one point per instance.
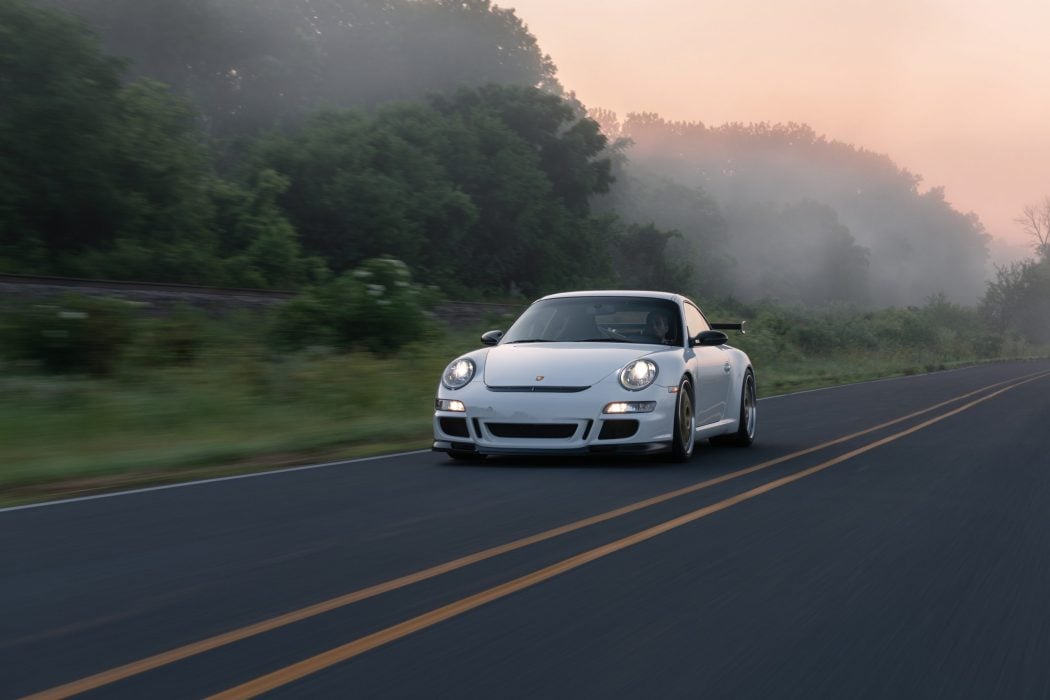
{"type": "Point", "coordinates": [286, 142]}
{"type": "Point", "coordinates": [482, 188]}
{"type": "Point", "coordinates": [107, 178]}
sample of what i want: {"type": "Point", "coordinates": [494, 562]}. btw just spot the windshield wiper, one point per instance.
{"type": "Point", "coordinates": [601, 340]}
{"type": "Point", "coordinates": [528, 340]}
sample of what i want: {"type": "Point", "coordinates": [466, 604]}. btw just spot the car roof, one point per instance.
{"type": "Point", "coordinates": [677, 298]}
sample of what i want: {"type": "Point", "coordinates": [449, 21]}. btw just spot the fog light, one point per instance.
{"type": "Point", "coordinates": [449, 405]}
{"type": "Point", "coordinates": [630, 407]}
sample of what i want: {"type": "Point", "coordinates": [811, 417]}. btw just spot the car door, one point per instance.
{"type": "Point", "coordinates": [713, 371]}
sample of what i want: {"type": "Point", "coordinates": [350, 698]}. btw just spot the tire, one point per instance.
{"type": "Point", "coordinates": [684, 423]}
{"type": "Point", "coordinates": [745, 433]}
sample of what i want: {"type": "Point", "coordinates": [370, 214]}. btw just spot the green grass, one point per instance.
{"type": "Point", "coordinates": [823, 372]}
{"type": "Point", "coordinates": [221, 411]}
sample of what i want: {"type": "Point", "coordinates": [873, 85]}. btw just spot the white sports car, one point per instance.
{"type": "Point", "coordinates": [605, 371]}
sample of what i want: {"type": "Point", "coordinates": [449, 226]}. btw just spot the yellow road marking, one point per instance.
{"type": "Point", "coordinates": [359, 646]}
{"type": "Point", "coordinates": [179, 653]}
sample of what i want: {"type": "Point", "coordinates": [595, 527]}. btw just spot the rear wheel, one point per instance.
{"type": "Point", "coordinates": [745, 433]}
{"type": "Point", "coordinates": [684, 423]}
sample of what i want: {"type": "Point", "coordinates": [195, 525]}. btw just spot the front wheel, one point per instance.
{"type": "Point", "coordinates": [684, 423]}
{"type": "Point", "coordinates": [745, 432]}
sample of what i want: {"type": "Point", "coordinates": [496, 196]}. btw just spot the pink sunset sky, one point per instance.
{"type": "Point", "coordinates": [955, 91]}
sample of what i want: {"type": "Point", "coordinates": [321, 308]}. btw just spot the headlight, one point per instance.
{"type": "Point", "coordinates": [638, 375]}
{"type": "Point", "coordinates": [458, 374]}
{"type": "Point", "coordinates": [449, 405]}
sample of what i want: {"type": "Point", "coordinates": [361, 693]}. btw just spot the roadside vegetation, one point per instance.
{"type": "Point", "coordinates": [98, 394]}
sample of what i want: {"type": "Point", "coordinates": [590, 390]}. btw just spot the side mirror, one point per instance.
{"type": "Point", "coordinates": [710, 338]}
{"type": "Point", "coordinates": [491, 337]}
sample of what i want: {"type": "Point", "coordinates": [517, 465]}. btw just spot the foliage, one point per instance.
{"type": "Point", "coordinates": [496, 185]}
{"type": "Point", "coordinates": [485, 189]}
{"type": "Point", "coordinates": [1017, 302]}
{"type": "Point", "coordinates": [75, 334]}
{"type": "Point", "coordinates": [250, 65]}
{"type": "Point", "coordinates": [939, 331]}
{"type": "Point", "coordinates": [699, 239]}
{"type": "Point", "coordinates": [176, 338]}
{"type": "Point", "coordinates": [192, 392]}
{"type": "Point", "coordinates": [374, 307]}
{"type": "Point", "coordinates": [360, 188]}
{"type": "Point", "coordinates": [57, 118]}
{"type": "Point", "coordinates": [109, 180]}
{"type": "Point", "coordinates": [797, 253]}
{"type": "Point", "coordinates": [260, 246]}
{"type": "Point", "coordinates": [642, 260]}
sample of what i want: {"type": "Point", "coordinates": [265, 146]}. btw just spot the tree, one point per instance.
{"type": "Point", "coordinates": [360, 188]}
{"type": "Point", "coordinates": [251, 65]}
{"type": "Point", "coordinates": [798, 252]}
{"type": "Point", "coordinates": [58, 112]}
{"type": "Point", "coordinates": [643, 260]}
{"type": "Point", "coordinates": [1018, 300]}
{"type": "Point", "coordinates": [103, 178]}
{"type": "Point", "coordinates": [482, 189]}
{"type": "Point", "coordinates": [1035, 221]}
{"type": "Point", "coordinates": [917, 243]}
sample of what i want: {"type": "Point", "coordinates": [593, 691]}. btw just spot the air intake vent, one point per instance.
{"type": "Point", "coordinates": [532, 430]}
{"type": "Point", "coordinates": [454, 426]}
{"type": "Point", "coordinates": [618, 429]}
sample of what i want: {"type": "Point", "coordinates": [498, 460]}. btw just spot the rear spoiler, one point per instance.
{"type": "Point", "coordinates": [729, 327]}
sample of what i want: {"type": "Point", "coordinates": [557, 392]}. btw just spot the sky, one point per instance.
{"type": "Point", "coordinates": [953, 90]}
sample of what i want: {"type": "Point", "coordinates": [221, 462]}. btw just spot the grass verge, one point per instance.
{"type": "Point", "coordinates": [63, 436]}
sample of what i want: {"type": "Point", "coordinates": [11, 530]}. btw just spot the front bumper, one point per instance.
{"type": "Point", "coordinates": [507, 423]}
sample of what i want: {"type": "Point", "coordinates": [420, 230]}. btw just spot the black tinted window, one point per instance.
{"type": "Point", "coordinates": [599, 319]}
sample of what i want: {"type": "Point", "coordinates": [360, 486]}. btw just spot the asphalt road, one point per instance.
{"type": "Point", "coordinates": [911, 560]}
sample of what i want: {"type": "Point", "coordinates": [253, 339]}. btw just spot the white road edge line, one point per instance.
{"type": "Point", "coordinates": [214, 480]}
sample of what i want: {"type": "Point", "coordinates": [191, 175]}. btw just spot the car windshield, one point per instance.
{"type": "Point", "coordinates": [598, 320]}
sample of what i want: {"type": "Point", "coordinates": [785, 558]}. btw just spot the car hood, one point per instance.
{"type": "Point", "coordinates": [559, 364]}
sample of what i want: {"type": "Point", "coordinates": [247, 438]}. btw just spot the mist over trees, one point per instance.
{"type": "Point", "coordinates": [253, 64]}
{"type": "Point", "coordinates": [807, 219]}
{"type": "Point", "coordinates": [99, 177]}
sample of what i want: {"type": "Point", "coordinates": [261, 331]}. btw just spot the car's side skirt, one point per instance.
{"type": "Point", "coordinates": [726, 425]}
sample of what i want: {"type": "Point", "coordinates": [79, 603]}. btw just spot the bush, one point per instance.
{"type": "Point", "coordinates": [175, 339]}
{"type": "Point", "coordinates": [74, 334]}
{"type": "Point", "coordinates": [374, 307]}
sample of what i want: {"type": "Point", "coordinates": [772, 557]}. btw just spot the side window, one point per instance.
{"type": "Point", "coordinates": [694, 320]}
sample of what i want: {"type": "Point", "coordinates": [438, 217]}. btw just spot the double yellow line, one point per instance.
{"type": "Point", "coordinates": [359, 646]}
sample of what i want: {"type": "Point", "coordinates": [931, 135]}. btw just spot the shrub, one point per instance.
{"type": "Point", "coordinates": [374, 307]}
{"type": "Point", "coordinates": [74, 334]}
{"type": "Point", "coordinates": [175, 339]}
